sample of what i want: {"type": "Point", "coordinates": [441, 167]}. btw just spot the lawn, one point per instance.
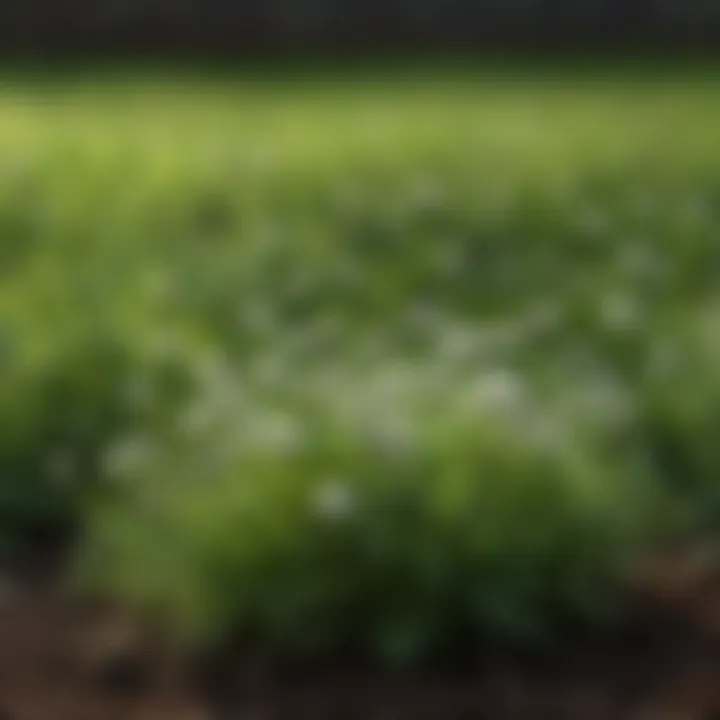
{"type": "Point", "coordinates": [365, 365]}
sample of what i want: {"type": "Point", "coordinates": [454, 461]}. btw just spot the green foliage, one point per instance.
{"type": "Point", "coordinates": [388, 512]}
{"type": "Point", "coordinates": [363, 368]}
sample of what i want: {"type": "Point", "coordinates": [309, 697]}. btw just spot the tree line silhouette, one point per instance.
{"type": "Point", "coordinates": [249, 26]}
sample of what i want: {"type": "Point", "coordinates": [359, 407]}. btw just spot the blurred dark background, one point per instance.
{"type": "Point", "coordinates": [241, 27]}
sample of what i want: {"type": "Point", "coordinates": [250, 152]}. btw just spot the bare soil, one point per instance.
{"type": "Point", "coordinates": [65, 659]}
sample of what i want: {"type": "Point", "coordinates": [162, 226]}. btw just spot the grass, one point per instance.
{"type": "Point", "coordinates": [367, 365]}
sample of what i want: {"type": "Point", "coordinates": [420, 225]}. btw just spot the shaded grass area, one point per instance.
{"type": "Point", "coordinates": [364, 366]}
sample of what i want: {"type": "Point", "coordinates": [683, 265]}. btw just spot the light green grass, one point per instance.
{"type": "Point", "coordinates": [367, 364]}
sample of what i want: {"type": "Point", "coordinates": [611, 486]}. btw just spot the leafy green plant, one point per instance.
{"type": "Point", "coordinates": [357, 368]}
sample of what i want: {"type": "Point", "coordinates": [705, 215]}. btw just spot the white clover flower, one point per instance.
{"type": "Point", "coordinates": [334, 500]}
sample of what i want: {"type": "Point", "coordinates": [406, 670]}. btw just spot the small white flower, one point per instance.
{"type": "Point", "coordinates": [334, 500]}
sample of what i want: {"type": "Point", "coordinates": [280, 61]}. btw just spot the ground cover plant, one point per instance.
{"type": "Point", "coordinates": [364, 366]}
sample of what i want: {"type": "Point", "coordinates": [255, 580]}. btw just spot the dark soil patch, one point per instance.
{"type": "Point", "coordinates": [62, 659]}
